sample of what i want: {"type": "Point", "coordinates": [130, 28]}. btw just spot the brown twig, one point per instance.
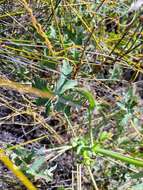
{"type": "Point", "coordinates": [38, 26]}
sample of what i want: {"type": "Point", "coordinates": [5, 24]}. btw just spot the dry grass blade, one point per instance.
{"type": "Point", "coordinates": [4, 158]}
{"type": "Point", "coordinates": [38, 26]}
{"type": "Point", "coordinates": [25, 89]}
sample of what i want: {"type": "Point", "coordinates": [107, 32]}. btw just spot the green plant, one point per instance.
{"type": "Point", "coordinates": [32, 164]}
{"type": "Point", "coordinates": [71, 58]}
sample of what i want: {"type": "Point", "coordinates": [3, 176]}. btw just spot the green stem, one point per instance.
{"type": "Point", "coordinates": [115, 155]}
{"type": "Point", "coordinates": [90, 128]}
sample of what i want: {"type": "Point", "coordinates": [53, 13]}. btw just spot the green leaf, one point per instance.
{"type": "Point", "coordinates": [45, 173]}
{"type": "Point", "coordinates": [116, 72]}
{"type": "Point", "coordinates": [40, 84]}
{"type": "Point", "coordinates": [137, 187]}
{"type": "Point", "coordinates": [60, 106]}
{"type": "Point", "coordinates": [104, 136]}
{"type": "Point", "coordinates": [70, 84]}
{"type": "Point", "coordinates": [41, 101]}
{"type": "Point", "coordinates": [125, 120]}
{"type": "Point", "coordinates": [66, 68]}
{"type": "Point", "coordinates": [137, 175]}
{"type": "Point", "coordinates": [37, 164]}
{"type": "Point", "coordinates": [64, 83]}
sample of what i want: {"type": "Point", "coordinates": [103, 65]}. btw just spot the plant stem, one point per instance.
{"type": "Point", "coordinates": [115, 155]}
